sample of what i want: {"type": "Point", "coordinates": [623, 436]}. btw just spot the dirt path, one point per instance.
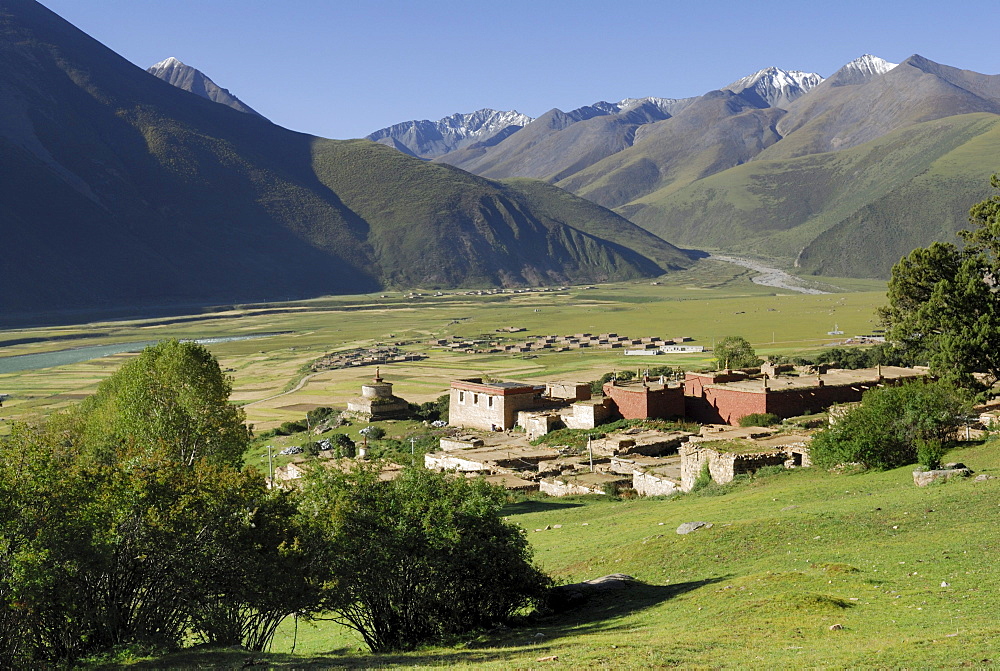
{"type": "Point", "coordinates": [294, 389]}
{"type": "Point", "coordinates": [769, 277]}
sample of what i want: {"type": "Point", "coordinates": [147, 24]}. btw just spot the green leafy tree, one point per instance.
{"type": "Point", "coordinates": [944, 308]}
{"type": "Point", "coordinates": [891, 424]}
{"type": "Point", "coordinates": [735, 352]}
{"type": "Point", "coordinates": [173, 395]}
{"type": "Point", "coordinates": [96, 555]}
{"type": "Point", "coordinates": [420, 558]}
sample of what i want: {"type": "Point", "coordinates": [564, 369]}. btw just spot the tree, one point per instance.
{"type": "Point", "coordinates": [173, 394]}
{"type": "Point", "coordinates": [891, 424]}
{"type": "Point", "coordinates": [944, 307]}
{"type": "Point", "coordinates": [419, 558]}
{"type": "Point", "coordinates": [735, 352]}
{"type": "Point", "coordinates": [143, 551]}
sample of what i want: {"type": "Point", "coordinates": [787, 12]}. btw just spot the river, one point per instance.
{"type": "Point", "coordinates": [64, 357]}
{"type": "Point", "coordinates": [769, 277]}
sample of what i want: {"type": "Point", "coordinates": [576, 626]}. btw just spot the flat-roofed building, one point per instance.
{"type": "Point", "coordinates": [725, 397]}
{"type": "Point", "coordinates": [490, 405]}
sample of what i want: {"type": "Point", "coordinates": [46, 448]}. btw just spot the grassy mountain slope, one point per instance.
{"type": "Point", "coordinates": [430, 232]}
{"type": "Point", "coordinates": [833, 116]}
{"type": "Point", "coordinates": [120, 189]}
{"type": "Point", "coordinates": [907, 188]}
{"type": "Point", "coordinates": [717, 131]}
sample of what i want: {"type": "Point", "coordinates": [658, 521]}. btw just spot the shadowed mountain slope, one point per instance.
{"type": "Point", "coordinates": [119, 189]}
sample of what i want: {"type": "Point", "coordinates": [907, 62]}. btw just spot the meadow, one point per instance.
{"type": "Point", "coordinates": [272, 382]}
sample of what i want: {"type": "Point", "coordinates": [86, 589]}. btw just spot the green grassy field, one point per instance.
{"type": "Point", "coordinates": [706, 303]}
{"type": "Point", "coordinates": [907, 572]}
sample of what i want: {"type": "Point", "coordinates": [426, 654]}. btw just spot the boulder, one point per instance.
{"type": "Point", "coordinates": [924, 478]}
{"type": "Point", "coordinates": [688, 527]}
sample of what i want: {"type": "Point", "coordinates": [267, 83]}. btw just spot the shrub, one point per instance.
{"type": "Point", "coordinates": [886, 428]}
{"type": "Point", "coordinates": [760, 419]}
{"type": "Point", "coordinates": [289, 428]}
{"type": "Point", "coordinates": [929, 453]}
{"type": "Point", "coordinates": [421, 558]}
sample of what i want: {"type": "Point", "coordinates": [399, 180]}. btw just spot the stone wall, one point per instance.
{"type": "Point", "coordinates": [587, 415]}
{"type": "Point", "coordinates": [648, 484]}
{"type": "Point", "coordinates": [725, 466]}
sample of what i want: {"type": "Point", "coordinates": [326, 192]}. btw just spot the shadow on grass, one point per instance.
{"type": "Point", "coordinates": [602, 612]}
{"type": "Point", "coordinates": [537, 506]}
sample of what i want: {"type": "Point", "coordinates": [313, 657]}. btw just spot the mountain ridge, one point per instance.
{"type": "Point", "coordinates": [123, 190]}
{"type": "Point", "coordinates": [197, 82]}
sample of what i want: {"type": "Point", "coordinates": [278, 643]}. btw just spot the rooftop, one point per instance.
{"type": "Point", "coordinates": [836, 377]}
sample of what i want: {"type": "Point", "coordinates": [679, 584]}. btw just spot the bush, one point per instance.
{"type": "Point", "coordinates": [342, 445]}
{"type": "Point", "coordinates": [317, 415]}
{"type": "Point", "coordinates": [760, 419]}
{"type": "Point", "coordinates": [885, 430]}
{"type": "Point", "coordinates": [373, 432]}
{"type": "Point", "coordinates": [289, 428]}
{"type": "Point", "coordinates": [929, 453]}
{"type": "Point", "coordinates": [420, 558]}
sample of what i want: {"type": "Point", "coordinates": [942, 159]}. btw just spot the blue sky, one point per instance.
{"type": "Point", "coordinates": [344, 69]}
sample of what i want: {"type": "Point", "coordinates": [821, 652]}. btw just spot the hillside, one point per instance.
{"type": "Point", "coordinates": [906, 572]}
{"type": "Point", "coordinates": [753, 168]}
{"type": "Point", "coordinates": [121, 190]}
{"type": "Point", "coordinates": [849, 213]}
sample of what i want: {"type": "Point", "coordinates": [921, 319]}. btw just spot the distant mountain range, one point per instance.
{"type": "Point", "coordinates": [876, 159]}
{"type": "Point", "coordinates": [118, 189]}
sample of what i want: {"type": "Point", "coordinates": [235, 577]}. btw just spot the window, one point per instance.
{"type": "Point", "coordinates": [475, 399]}
{"type": "Point", "coordinates": [491, 401]}
{"type": "Point", "coordinates": [461, 397]}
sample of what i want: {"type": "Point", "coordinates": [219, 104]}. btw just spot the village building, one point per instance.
{"type": "Point", "coordinates": [725, 397]}
{"type": "Point", "coordinates": [377, 401]}
{"type": "Point", "coordinates": [498, 406]}
{"type": "Point", "coordinates": [645, 399]}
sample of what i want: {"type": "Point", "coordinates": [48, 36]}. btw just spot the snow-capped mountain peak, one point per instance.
{"type": "Point", "coordinates": [774, 86]}
{"type": "Point", "coordinates": [861, 70]}
{"type": "Point", "coordinates": [429, 139]}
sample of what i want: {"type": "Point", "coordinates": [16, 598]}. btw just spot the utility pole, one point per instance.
{"type": "Point", "coordinates": [412, 440]}
{"type": "Point", "coordinates": [590, 451]}
{"type": "Point", "coordinates": [270, 464]}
